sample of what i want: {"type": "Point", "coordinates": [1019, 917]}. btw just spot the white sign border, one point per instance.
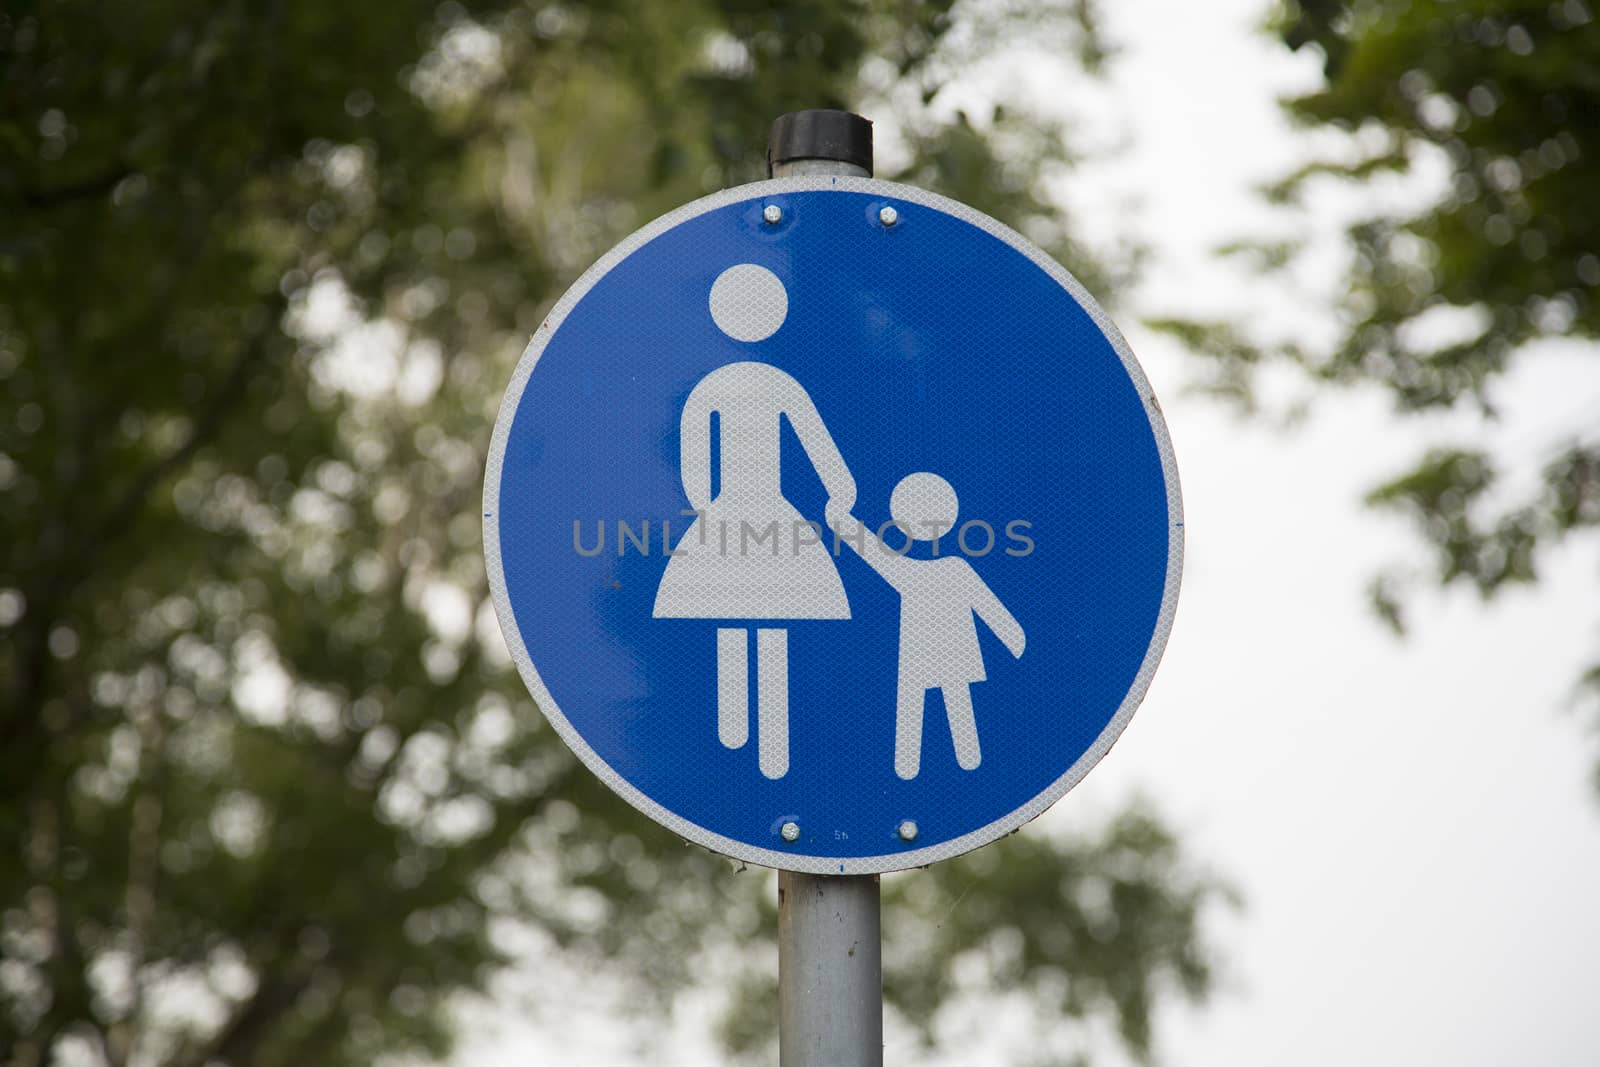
{"type": "Point", "coordinates": [797, 861]}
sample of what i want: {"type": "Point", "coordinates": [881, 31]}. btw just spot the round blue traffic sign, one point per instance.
{"type": "Point", "coordinates": [833, 525]}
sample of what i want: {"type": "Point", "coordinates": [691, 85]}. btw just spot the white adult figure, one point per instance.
{"type": "Point", "coordinates": [749, 556]}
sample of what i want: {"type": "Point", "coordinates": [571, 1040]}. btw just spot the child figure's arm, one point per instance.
{"type": "Point", "coordinates": [891, 567]}
{"type": "Point", "coordinates": [994, 614]}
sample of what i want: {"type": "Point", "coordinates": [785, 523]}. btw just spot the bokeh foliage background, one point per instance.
{"type": "Point", "coordinates": [1487, 114]}
{"type": "Point", "coordinates": [270, 793]}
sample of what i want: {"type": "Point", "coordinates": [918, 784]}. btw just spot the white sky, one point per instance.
{"type": "Point", "coordinates": [1410, 822]}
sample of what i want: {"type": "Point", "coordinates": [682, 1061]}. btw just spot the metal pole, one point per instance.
{"type": "Point", "coordinates": [830, 960]}
{"type": "Point", "coordinates": [830, 971]}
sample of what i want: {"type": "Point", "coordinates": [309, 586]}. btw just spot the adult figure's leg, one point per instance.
{"type": "Point", "coordinates": [963, 730]}
{"type": "Point", "coordinates": [772, 701]}
{"type": "Point", "coordinates": [733, 686]}
{"type": "Point", "coordinates": [908, 728]}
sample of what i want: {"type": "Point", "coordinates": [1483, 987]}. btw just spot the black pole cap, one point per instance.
{"type": "Point", "coordinates": [820, 133]}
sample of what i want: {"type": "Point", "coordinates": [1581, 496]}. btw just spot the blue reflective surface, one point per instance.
{"type": "Point", "coordinates": [927, 346]}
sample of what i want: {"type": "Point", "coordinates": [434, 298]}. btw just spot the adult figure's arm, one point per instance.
{"type": "Point", "coordinates": [891, 566]}
{"type": "Point", "coordinates": [694, 446]}
{"type": "Point", "coordinates": [820, 449]}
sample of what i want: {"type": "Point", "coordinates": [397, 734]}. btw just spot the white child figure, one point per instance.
{"type": "Point", "coordinates": [938, 639]}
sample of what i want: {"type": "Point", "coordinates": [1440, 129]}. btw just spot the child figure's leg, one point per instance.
{"type": "Point", "coordinates": [963, 730]}
{"type": "Point", "coordinates": [908, 728]}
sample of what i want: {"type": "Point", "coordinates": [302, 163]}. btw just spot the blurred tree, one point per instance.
{"type": "Point", "coordinates": [269, 792]}
{"type": "Point", "coordinates": [1443, 301]}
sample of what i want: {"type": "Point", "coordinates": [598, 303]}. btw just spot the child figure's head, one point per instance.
{"type": "Point", "coordinates": [924, 506]}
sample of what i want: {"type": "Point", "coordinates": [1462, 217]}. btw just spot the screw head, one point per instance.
{"type": "Point", "coordinates": [790, 831]}
{"type": "Point", "coordinates": [908, 831]}
{"type": "Point", "coordinates": [773, 214]}
{"type": "Point", "coordinates": [888, 215]}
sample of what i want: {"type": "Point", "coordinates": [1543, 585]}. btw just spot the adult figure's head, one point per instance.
{"type": "Point", "coordinates": [748, 302]}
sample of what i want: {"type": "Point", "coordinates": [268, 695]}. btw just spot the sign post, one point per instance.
{"type": "Point", "coordinates": [830, 971]}
{"type": "Point", "coordinates": [835, 527]}
{"type": "Point", "coordinates": [830, 945]}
